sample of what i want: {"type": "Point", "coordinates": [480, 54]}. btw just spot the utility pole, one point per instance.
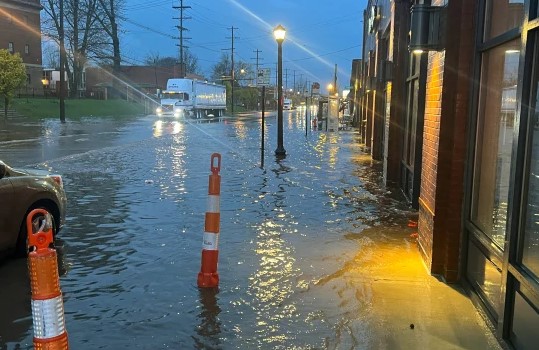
{"type": "Point", "coordinates": [232, 70]}
{"type": "Point", "coordinates": [181, 28]}
{"type": "Point", "coordinates": [335, 80]}
{"type": "Point", "coordinates": [285, 81]}
{"type": "Point", "coordinates": [62, 65]}
{"type": "Point", "coordinates": [294, 85]}
{"type": "Point", "coordinates": [257, 51]}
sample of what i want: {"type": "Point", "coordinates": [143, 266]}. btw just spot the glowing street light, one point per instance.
{"type": "Point", "coordinates": [330, 88]}
{"type": "Point", "coordinates": [279, 32]}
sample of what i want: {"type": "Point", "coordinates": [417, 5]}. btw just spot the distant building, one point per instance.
{"type": "Point", "coordinates": [131, 82]}
{"type": "Point", "coordinates": [20, 31]}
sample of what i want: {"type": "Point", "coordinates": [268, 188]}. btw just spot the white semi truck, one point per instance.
{"type": "Point", "coordinates": [192, 98]}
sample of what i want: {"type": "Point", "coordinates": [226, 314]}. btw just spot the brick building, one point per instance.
{"type": "Point", "coordinates": [20, 31]}
{"type": "Point", "coordinates": [457, 130]}
{"type": "Point", "coordinates": [131, 81]}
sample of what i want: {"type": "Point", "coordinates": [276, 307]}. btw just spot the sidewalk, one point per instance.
{"type": "Point", "coordinates": [405, 307]}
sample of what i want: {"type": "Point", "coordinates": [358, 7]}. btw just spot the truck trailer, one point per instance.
{"type": "Point", "coordinates": [192, 98]}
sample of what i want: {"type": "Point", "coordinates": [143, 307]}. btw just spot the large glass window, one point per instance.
{"type": "Point", "coordinates": [497, 109]}
{"type": "Point", "coordinates": [502, 16]}
{"type": "Point", "coordinates": [530, 253]}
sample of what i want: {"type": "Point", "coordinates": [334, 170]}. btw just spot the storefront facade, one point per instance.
{"type": "Point", "coordinates": [501, 216]}
{"type": "Point", "coordinates": [461, 141]}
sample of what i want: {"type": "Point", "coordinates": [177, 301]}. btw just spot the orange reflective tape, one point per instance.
{"type": "Point", "coordinates": [212, 222]}
{"type": "Point", "coordinates": [214, 186]}
{"type": "Point", "coordinates": [44, 279]}
{"type": "Point", "coordinates": [209, 261]}
{"type": "Point", "coordinates": [57, 343]}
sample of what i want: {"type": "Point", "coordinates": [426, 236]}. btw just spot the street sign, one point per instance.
{"type": "Point", "coordinates": [263, 77]}
{"type": "Point", "coordinates": [315, 88]}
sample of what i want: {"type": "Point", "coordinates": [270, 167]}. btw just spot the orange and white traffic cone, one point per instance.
{"type": "Point", "coordinates": [208, 276]}
{"type": "Point", "coordinates": [47, 303]}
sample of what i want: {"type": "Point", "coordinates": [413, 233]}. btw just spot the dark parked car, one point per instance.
{"type": "Point", "coordinates": [21, 191]}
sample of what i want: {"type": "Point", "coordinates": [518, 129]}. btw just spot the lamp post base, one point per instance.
{"type": "Point", "coordinates": [280, 152]}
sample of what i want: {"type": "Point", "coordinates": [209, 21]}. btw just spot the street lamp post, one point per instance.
{"type": "Point", "coordinates": [279, 32]}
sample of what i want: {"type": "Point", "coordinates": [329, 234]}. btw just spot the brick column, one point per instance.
{"type": "Point", "coordinates": [444, 145]}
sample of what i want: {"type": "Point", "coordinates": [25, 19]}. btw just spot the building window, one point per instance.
{"type": "Point", "coordinates": [496, 119]}
{"type": "Point", "coordinates": [530, 253]}
{"type": "Point", "coordinates": [27, 49]}
{"type": "Point", "coordinates": [502, 16]}
{"type": "Point", "coordinates": [28, 79]}
{"type": "Point", "coordinates": [10, 47]}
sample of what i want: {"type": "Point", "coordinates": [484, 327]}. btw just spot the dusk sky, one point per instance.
{"type": "Point", "coordinates": [319, 34]}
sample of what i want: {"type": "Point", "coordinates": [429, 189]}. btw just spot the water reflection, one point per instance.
{"type": "Point", "coordinates": [291, 236]}
{"type": "Point", "coordinates": [209, 327]}
{"type": "Point", "coordinates": [16, 314]}
{"type": "Point", "coordinates": [270, 283]}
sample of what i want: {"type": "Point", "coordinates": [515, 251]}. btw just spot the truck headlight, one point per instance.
{"type": "Point", "coordinates": [159, 110]}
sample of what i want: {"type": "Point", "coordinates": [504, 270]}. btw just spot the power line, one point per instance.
{"type": "Point", "coordinates": [146, 27]}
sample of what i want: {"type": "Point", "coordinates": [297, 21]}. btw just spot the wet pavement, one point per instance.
{"type": "Point", "coordinates": [314, 253]}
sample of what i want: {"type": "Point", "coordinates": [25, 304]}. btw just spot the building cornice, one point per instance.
{"type": "Point", "coordinates": [24, 5]}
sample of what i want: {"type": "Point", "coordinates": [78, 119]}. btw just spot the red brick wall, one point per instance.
{"type": "Point", "coordinates": [20, 24]}
{"type": "Point", "coordinates": [444, 144]}
{"type": "Point", "coordinates": [431, 139]}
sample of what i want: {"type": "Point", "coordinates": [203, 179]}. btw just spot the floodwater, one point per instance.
{"type": "Point", "coordinates": [130, 250]}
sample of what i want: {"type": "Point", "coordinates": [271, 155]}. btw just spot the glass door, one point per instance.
{"type": "Point", "coordinates": [523, 279]}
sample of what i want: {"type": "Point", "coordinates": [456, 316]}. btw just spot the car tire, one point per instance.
{"type": "Point", "coordinates": [21, 249]}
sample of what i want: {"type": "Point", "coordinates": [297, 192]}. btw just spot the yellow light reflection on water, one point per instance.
{"type": "Point", "coordinates": [241, 130]}
{"type": "Point", "coordinates": [158, 128]}
{"type": "Point", "coordinates": [177, 127]}
{"type": "Point", "coordinates": [270, 283]}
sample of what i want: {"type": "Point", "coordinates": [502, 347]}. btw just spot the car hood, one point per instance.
{"type": "Point", "coordinates": [28, 172]}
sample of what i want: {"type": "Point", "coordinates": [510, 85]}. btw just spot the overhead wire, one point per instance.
{"type": "Point", "coordinates": [202, 18]}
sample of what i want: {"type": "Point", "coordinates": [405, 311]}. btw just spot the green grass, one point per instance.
{"type": "Point", "coordinates": [50, 108]}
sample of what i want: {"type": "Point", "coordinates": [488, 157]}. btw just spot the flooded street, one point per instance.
{"type": "Point", "coordinates": [292, 234]}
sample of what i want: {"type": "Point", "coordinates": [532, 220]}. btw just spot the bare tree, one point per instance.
{"type": "Point", "coordinates": [190, 60]}
{"type": "Point", "coordinates": [91, 33]}
{"type": "Point", "coordinates": [110, 24]}
{"type": "Point", "coordinates": [221, 70]}
{"type": "Point", "coordinates": [51, 56]}
{"type": "Point", "coordinates": [82, 36]}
